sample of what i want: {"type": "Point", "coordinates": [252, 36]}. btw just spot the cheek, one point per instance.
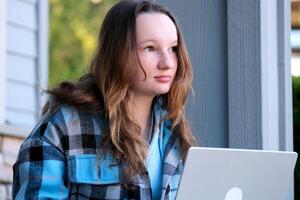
{"type": "Point", "coordinates": [139, 75]}
{"type": "Point", "coordinates": [141, 72]}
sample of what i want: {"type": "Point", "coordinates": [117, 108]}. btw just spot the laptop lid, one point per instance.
{"type": "Point", "coordinates": [236, 174]}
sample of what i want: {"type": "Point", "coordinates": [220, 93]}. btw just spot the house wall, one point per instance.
{"type": "Point", "coordinates": [240, 51]}
{"type": "Point", "coordinates": [204, 27]}
{"type": "Point", "coordinates": [24, 37]}
{"type": "Point", "coordinates": [21, 105]}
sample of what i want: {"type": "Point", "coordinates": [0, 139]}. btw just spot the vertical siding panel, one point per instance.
{"type": "Point", "coordinates": [244, 74]}
{"type": "Point", "coordinates": [203, 24]}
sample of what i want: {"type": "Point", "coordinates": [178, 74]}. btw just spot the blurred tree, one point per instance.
{"type": "Point", "coordinates": [296, 119]}
{"type": "Point", "coordinates": [74, 28]}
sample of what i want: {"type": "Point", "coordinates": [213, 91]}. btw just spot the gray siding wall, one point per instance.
{"type": "Point", "coordinates": [240, 51]}
{"type": "Point", "coordinates": [245, 74]}
{"type": "Point", "coordinates": [240, 54]}
{"type": "Point", "coordinates": [204, 27]}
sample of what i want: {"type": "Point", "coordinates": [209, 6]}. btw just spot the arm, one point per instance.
{"type": "Point", "coordinates": [39, 172]}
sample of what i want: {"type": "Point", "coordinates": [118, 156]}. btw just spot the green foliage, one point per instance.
{"type": "Point", "coordinates": [296, 109]}
{"type": "Point", "coordinates": [296, 118]}
{"type": "Point", "coordinates": [74, 28]}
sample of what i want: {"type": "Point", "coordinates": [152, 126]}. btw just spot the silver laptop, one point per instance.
{"type": "Point", "coordinates": [235, 174]}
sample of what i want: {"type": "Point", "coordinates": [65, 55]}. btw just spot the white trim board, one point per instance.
{"type": "Point", "coordinates": [2, 59]}
{"type": "Point", "coordinates": [43, 57]}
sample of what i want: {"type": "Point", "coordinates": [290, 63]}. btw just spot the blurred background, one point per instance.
{"type": "Point", "coordinates": [73, 25]}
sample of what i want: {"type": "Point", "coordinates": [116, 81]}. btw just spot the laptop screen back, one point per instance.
{"type": "Point", "coordinates": [235, 174]}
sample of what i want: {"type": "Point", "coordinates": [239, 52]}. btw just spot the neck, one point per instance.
{"type": "Point", "coordinates": [142, 113]}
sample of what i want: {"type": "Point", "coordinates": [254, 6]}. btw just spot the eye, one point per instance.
{"type": "Point", "coordinates": [174, 49]}
{"type": "Point", "coordinates": [149, 48]}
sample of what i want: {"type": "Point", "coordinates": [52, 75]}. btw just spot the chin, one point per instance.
{"type": "Point", "coordinates": [162, 92]}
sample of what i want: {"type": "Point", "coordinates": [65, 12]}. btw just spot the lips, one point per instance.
{"type": "Point", "coordinates": [163, 78]}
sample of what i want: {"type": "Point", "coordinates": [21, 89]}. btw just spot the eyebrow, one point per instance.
{"type": "Point", "coordinates": [151, 40]}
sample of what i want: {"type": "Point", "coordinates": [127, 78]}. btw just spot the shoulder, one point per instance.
{"type": "Point", "coordinates": [68, 129]}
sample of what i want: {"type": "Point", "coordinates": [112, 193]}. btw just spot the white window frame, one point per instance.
{"type": "Point", "coordinates": [2, 59]}
{"type": "Point", "coordinates": [43, 53]}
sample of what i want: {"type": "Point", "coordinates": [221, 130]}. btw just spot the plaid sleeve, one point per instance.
{"type": "Point", "coordinates": [39, 172]}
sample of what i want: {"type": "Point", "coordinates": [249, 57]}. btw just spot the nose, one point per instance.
{"type": "Point", "coordinates": [167, 60]}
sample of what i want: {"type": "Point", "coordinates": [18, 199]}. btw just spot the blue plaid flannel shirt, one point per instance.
{"type": "Point", "coordinates": [58, 160]}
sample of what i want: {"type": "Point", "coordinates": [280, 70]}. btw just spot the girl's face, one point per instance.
{"type": "Point", "coordinates": [157, 45]}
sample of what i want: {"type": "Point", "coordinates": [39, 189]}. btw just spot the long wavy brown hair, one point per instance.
{"type": "Point", "coordinates": [106, 88]}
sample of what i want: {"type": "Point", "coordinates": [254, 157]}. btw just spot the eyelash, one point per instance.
{"type": "Point", "coordinates": [151, 48]}
{"type": "Point", "coordinates": [174, 49]}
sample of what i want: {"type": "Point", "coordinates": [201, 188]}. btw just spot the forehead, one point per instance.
{"type": "Point", "coordinates": [155, 26]}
